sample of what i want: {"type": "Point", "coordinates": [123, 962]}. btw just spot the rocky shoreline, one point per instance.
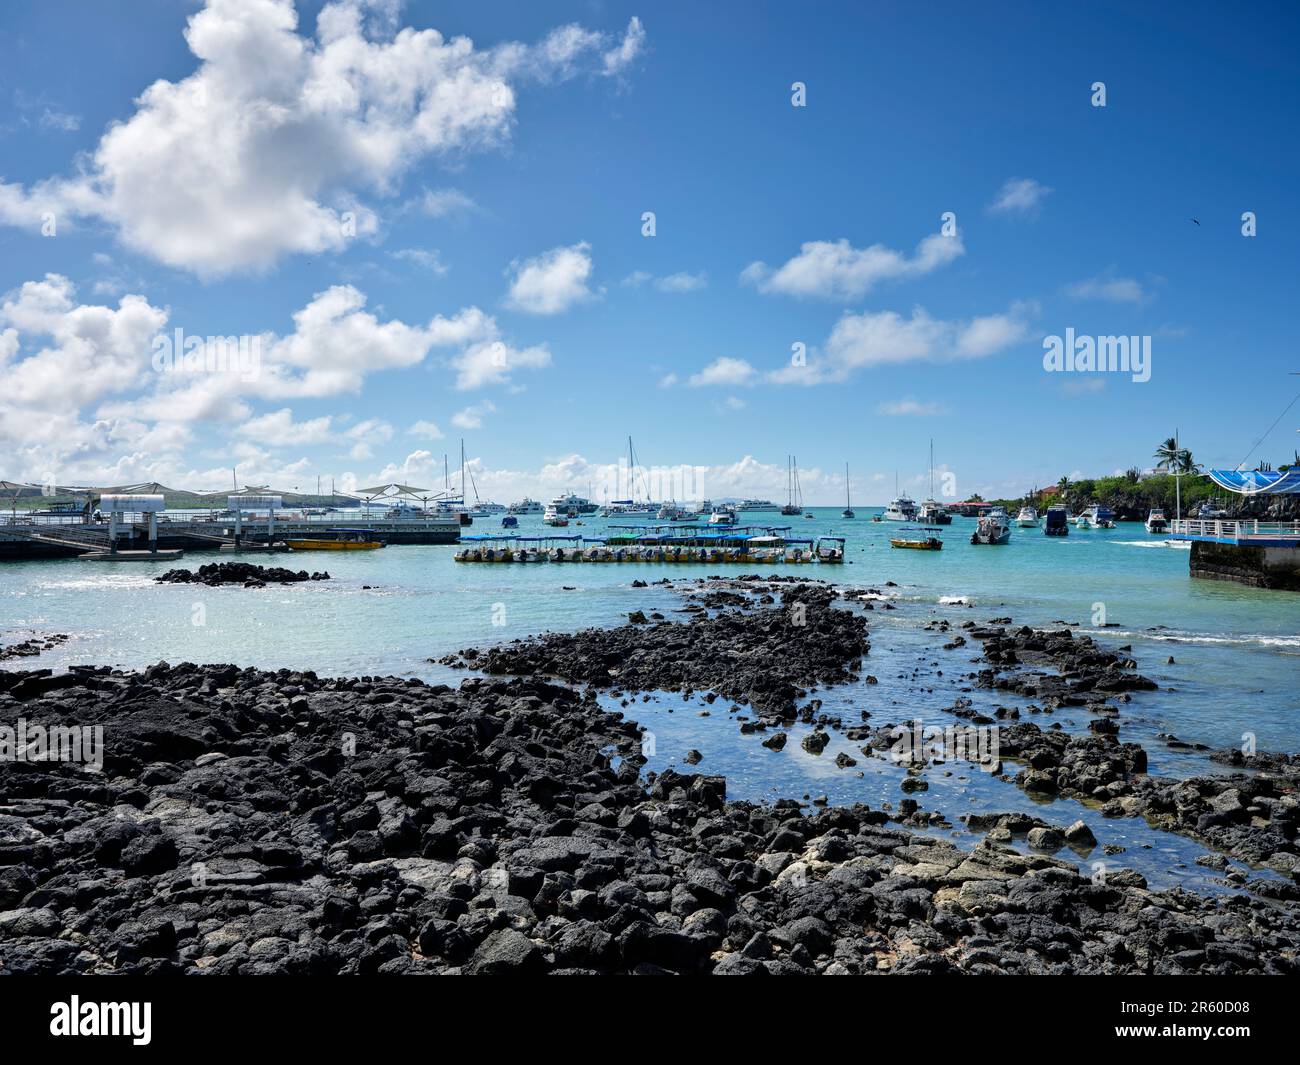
{"type": "Point", "coordinates": [247, 821]}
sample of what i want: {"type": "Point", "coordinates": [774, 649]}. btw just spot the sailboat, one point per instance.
{"type": "Point", "coordinates": [847, 512]}
{"type": "Point", "coordinates": [794, 497]}
{"type": "Point", "coordinates": [932, 511]}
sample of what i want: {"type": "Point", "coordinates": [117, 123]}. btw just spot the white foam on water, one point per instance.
{"type": "Point", "coordinates": [1177, 636]}
{"type": "Point", "coordinates": [117, 580]}
{"type": "Point", "coordinates": [1174, 545]}
{"type": "Point", "coordinates": [954, 600]}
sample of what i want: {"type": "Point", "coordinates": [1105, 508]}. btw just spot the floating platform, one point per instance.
{"type": "Point", "coordinates": [132, 556]}
{"type": "Point", "coordinates": [761, 550]}
{"type": "Point", "coordinates": [261, 549]}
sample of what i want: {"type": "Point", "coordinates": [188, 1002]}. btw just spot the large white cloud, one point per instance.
{"type": "Point", "coordinates": [86, 387]}
{"type": "Point", "coordinates": [85, 352]}
{"type": "Point", "coordinates": [882, 338]}
{"type": "Point", "coordinates": [553, 281]}
{"type": "Point", "coordinates": [268, 146]}
{"type": "Point", "coordinates": [837, 270]}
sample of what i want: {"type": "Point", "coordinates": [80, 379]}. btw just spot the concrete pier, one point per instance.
{"type": "Point", "coordinates": [1258, 554]}
{"type": "Point", "coordinates": [28, 541]}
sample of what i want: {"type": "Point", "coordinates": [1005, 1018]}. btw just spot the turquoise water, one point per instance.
{"type": "Point", "coordinates": [1236, 650]}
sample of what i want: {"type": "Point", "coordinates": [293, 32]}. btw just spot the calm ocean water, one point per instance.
{"type": "Point", "coordinates": [1235, 650]}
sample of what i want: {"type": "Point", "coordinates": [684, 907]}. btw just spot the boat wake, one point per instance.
{"type": "Point", "coordinates": [954, 600]}
{"type": "Point", "coordinates": [1175, 545]}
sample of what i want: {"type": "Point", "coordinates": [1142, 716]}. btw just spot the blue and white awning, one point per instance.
{"type": "Point", "coordinates": [1257, 482]}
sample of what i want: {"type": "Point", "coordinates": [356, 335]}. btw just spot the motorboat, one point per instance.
{"type": "Point", "coordinates": [1027, 518]}
{"type": "Point", "coordinates": [1057, 522]}
{"type": "Point", "coordinates": [928, 542]}
{"type": "Point", "coordinates": [1096, 516]}
{"type": "Point", "coordinates": [671, 512]}
{"type": "Point", "coordinates": [722, 515]}
{"type": "Point", "coordinates": [553, 515]}
{"type": "Point", "coordinates": [573, 505]}
{"type": "Point", "coordinates": [526, 506]}
{"type": "Point", "coordinates": [933, 512]}
{"type": "Point", "coordinates": [830, 549]}
{"type": "Point", "coordinates": [992, 528]}
{"type": "Point", "coordinates": [1156, 521]}
{"type": "Point", "coordinates": [902, 508]}
{"type": "Point", "coordinates": [509, 522]}
{"type": "Point", "coordinates": [343, 540]}
{"type": "Point", "coordinates": [756, 504]}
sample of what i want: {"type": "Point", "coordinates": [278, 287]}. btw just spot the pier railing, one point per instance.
{"type": "Point", "coordinates": [1234, 528]}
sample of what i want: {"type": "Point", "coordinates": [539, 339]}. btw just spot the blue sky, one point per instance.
{"type": "Point", "coordinates": [498, 286]}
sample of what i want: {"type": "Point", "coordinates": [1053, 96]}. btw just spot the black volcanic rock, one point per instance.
{"type": "Point", "coordinates": [245, 573]}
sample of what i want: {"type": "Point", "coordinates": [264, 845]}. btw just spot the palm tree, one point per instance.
{"type": "Point", "coordinates": [1063, 487]}
{"type": "Point", "coordinates": [1175, 459]}
{"type": "Point", "coordinates": [1167, 453]}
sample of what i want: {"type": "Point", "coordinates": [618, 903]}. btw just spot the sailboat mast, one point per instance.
{"type": "Point", "coordinates": [931, 467]}
{"type": "Point", "coordinates": [1178, 494]}
{"type": "Point", "coordinates": [848, 504]}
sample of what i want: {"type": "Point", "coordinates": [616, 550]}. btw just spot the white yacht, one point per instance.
{"type": "Point", "coordinates": [1095, 516]}
{"type": "Point", "coordinates": [671, 512]}
{"type": "Point", "coordinates": [573, 506]}
{"type": "Point", "coordinates": [722, 515]}
{"type": "Point", "coordinates": [554, 515]}
{"type": "Point", "coordinates": [1027, 518]}
{"type": "Point", "coordinates": [756, 504]}
{"type": "Point", "coordinates": [993, 528]}
{"type": "Point", "coordinates": [1156, 521]}
{"type": "Point", "coordinates": [901, 509]}
{"type": "Point", "coordinates": [526, 506]}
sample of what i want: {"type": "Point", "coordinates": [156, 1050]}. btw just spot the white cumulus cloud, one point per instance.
{"type": "Point", "coordinates": [268, 147]}
{"type": "Point", "coordinates": [553, 281]}
{"type": "Point", "coordinates": [837, 270]}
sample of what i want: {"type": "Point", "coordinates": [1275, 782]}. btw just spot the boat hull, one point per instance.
{"type": "Point", "coordinates": [929, 544]}
{"type": "Point", "coordinates": [334, 545]}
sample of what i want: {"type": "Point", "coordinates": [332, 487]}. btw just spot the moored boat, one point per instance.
{"type": "Point", "coordinates": [901, 508]}
{"type": "Point", "coordinates": [933, 512]}
{"type": "Point", "coordinates": [993, 528]}
{"type": "Point", "coordinates": [1057, 522]}
{"type": "Point", "coordinates": [794, 494]}
{"type": "Point", "coordinates": [918, 543]}
{"type": "Point", "coordinates": [1027, 518]}
{"type": "Point", "coordinates": [345, 540]}
{"type": "Point", "coordinates": [1156, 521]}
